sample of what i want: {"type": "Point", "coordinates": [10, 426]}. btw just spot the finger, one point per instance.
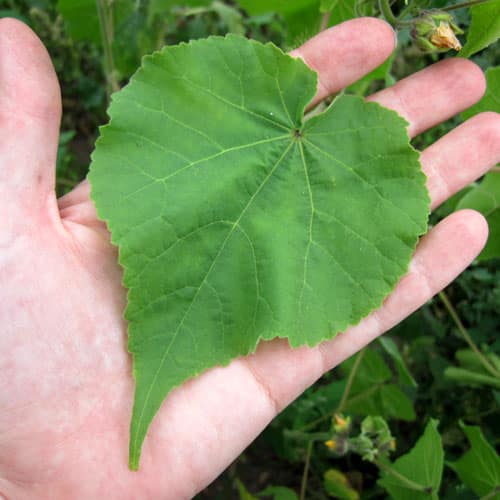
{"type": "Point", "coordinates": [345, 53]}
{"type": "Point", "coordinates": [30, 109]}
{"type": "Point", "coordinates": [434, 94]}
{"type": "Point", "coordinates": [461, 156]}
{"type": "Point", "coordinates": [77, 207]}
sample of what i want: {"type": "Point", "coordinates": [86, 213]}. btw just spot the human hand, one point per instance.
{"type": "Point", "coordinates": [66, 387]}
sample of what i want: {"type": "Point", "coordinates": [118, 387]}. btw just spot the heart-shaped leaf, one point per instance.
{"type": "Point", "coordinates": [237, 220]}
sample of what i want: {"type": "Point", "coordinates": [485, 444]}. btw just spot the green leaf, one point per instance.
{"type": "Point", "coordinates": [391, 348]}
{"type": "Point", "coordinates": [302, 16]}
{"type": "Point", "coordinates": [485, 198]}
{"type": "Point", "coordinates": [236, 220]}
{"type": "Point", "coordinates": [279, 493]}
{"type": "Point", "coordinates": [491, 98]}
{"type": "Point", "coordinates": [371, 394]}
{"type": "Point", "coordinates": [470, 377]}
{"type": "Point", "coordinates": [82, 21]}
{"type": "Point", "coordinates": [244, 494]}
{"type": "Point", "coordinates": [80, 17]}
{"type": "Point", "coordinates": [479, 468]}
{"type": "Point", "coordinates": [327, 5]}
{"type": "Point", "coordinates": [418, 473]}
{"type": "Point", "coordinates": [130, 37]}
{"type": "Point", "coordinates": [341, 10]}
{"type": "Point", "coordinates": [230, 16]}
{"type": "Point", "coordinates": [283, 7]}
{"type": "Point", "coordinates": [484, 27]}
{"type": "Point", "coordinates": [337, 485]}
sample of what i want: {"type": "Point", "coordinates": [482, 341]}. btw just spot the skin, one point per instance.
{"type": "Point", "coordinates": [66, 387]}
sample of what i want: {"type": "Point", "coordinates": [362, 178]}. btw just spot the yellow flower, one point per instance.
{"type": "Point", "coordinates": [392, 444]}
{"type": "Point", "coordinates": [330, 444]}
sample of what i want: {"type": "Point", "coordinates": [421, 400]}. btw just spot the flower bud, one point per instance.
{"type": "Point", "coordinates": [434, 31]}
{"type": "Point", "coordinates": [341, 424]}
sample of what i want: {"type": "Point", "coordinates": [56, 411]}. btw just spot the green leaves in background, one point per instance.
{"type": "Point", "coordinates": [340, 10]}
{"type": "Point", "coordinates": [372, 392]}
{"type": "Point", "coordinates": [278, 493]}
{"type": "Point", "coordinates": [301, 16]}
{"type": "Point", "coordinates": [392, 350]}
{"type": "Point", "coordinates": [485, 198]}
{"type": "Point", "coordinates": [129, 35]}
{"type": "Point", "coordinates": [82, 21]}
{"type": "Point", "coordinates": [80, 17]}
{"type": "Point", "coordinates": [337, 485]}
{"type": "Point", "coordinates": [417, 475]}
{"type": "Point", "coordinates": [271, 492]}
{"type": "Point", "coordinates": [472, 370]}
{"type": "Point", "coordinates": [479, 468]}
{"type": "Point", "coordinates": [484, 28]}
{"type": "Point", "coordinates": [238, 221]}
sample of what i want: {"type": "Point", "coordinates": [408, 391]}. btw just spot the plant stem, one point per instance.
{"type": "Point", "coordinates": [303, 484]}
{"type": "Point", "coordinates": [386, 10]}
{"type": "Point", "coordinates": [66, 182]}
{"type": "Point", "coordinates": [325, 18]}
{"type": "Point", "coordinates": [464, 5]}
{"type": "Point", "coordinates": [465, 334]}
{"type": "Point", "coordinates": [106, 26]}
{"type": "Point", "coordinates": [393, 472]}
{"type": "Point", "coordinates": [350, 380]}
{"type": "Point", "coordinates": [406, 10]}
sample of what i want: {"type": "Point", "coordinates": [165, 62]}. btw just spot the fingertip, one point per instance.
{"type": "Point", "coordinates": [28, 83]}
{"type": "Point", "coordinates": [474, 229]}
{"type": "Point", "coordinates": [475, 76]}
{"type": "Point", "coordinates": [470, 76]}
{"type": "Point", "coordinates": [379, 33]}
{"type": "Point", "coordinates": [487, 126]}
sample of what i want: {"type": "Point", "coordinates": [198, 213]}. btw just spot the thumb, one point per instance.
{"type": "Point", "coordinates": [30, 111]}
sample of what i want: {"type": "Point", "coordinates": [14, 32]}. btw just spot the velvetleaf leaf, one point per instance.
{"type": "Point", "coordinates": [237, 219]}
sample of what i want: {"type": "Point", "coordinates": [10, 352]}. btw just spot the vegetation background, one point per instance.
{"type": "Point", "coordinates": [432, 383]}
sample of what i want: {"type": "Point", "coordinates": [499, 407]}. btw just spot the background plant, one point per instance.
{"type": "Point", "coordinates": [363, 430]}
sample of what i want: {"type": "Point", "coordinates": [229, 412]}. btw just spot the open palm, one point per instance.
{"type": "Point", "coordinates": [66, 388]}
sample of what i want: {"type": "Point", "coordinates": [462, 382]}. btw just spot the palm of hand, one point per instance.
{"type": "Point", "coordinates": [66, 388]}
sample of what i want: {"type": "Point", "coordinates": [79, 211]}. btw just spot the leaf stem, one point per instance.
{"type": "Point", "coordinates": [386, 11]}
{"type": "Point", "coordinates": [412, 485]}
{"type": "Point", "coordinates": [350, 381]}
{"type": "Point", "coordinates": [405, 11]}
{"type": "Point", "coordinates": [303, 484]}
{"type": "Point", "coordinates": [66, 182]}
{"type": "Point", "coordinates": [464, 5]}
{"type": "Point", "coordinates": [106, 27]}
{"type": "Point", "coordinates": [325, 18]}
{"type": "Point", "coordinates": [465, 334]}
{"type": "Point", "coordinates": [389, 16]}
